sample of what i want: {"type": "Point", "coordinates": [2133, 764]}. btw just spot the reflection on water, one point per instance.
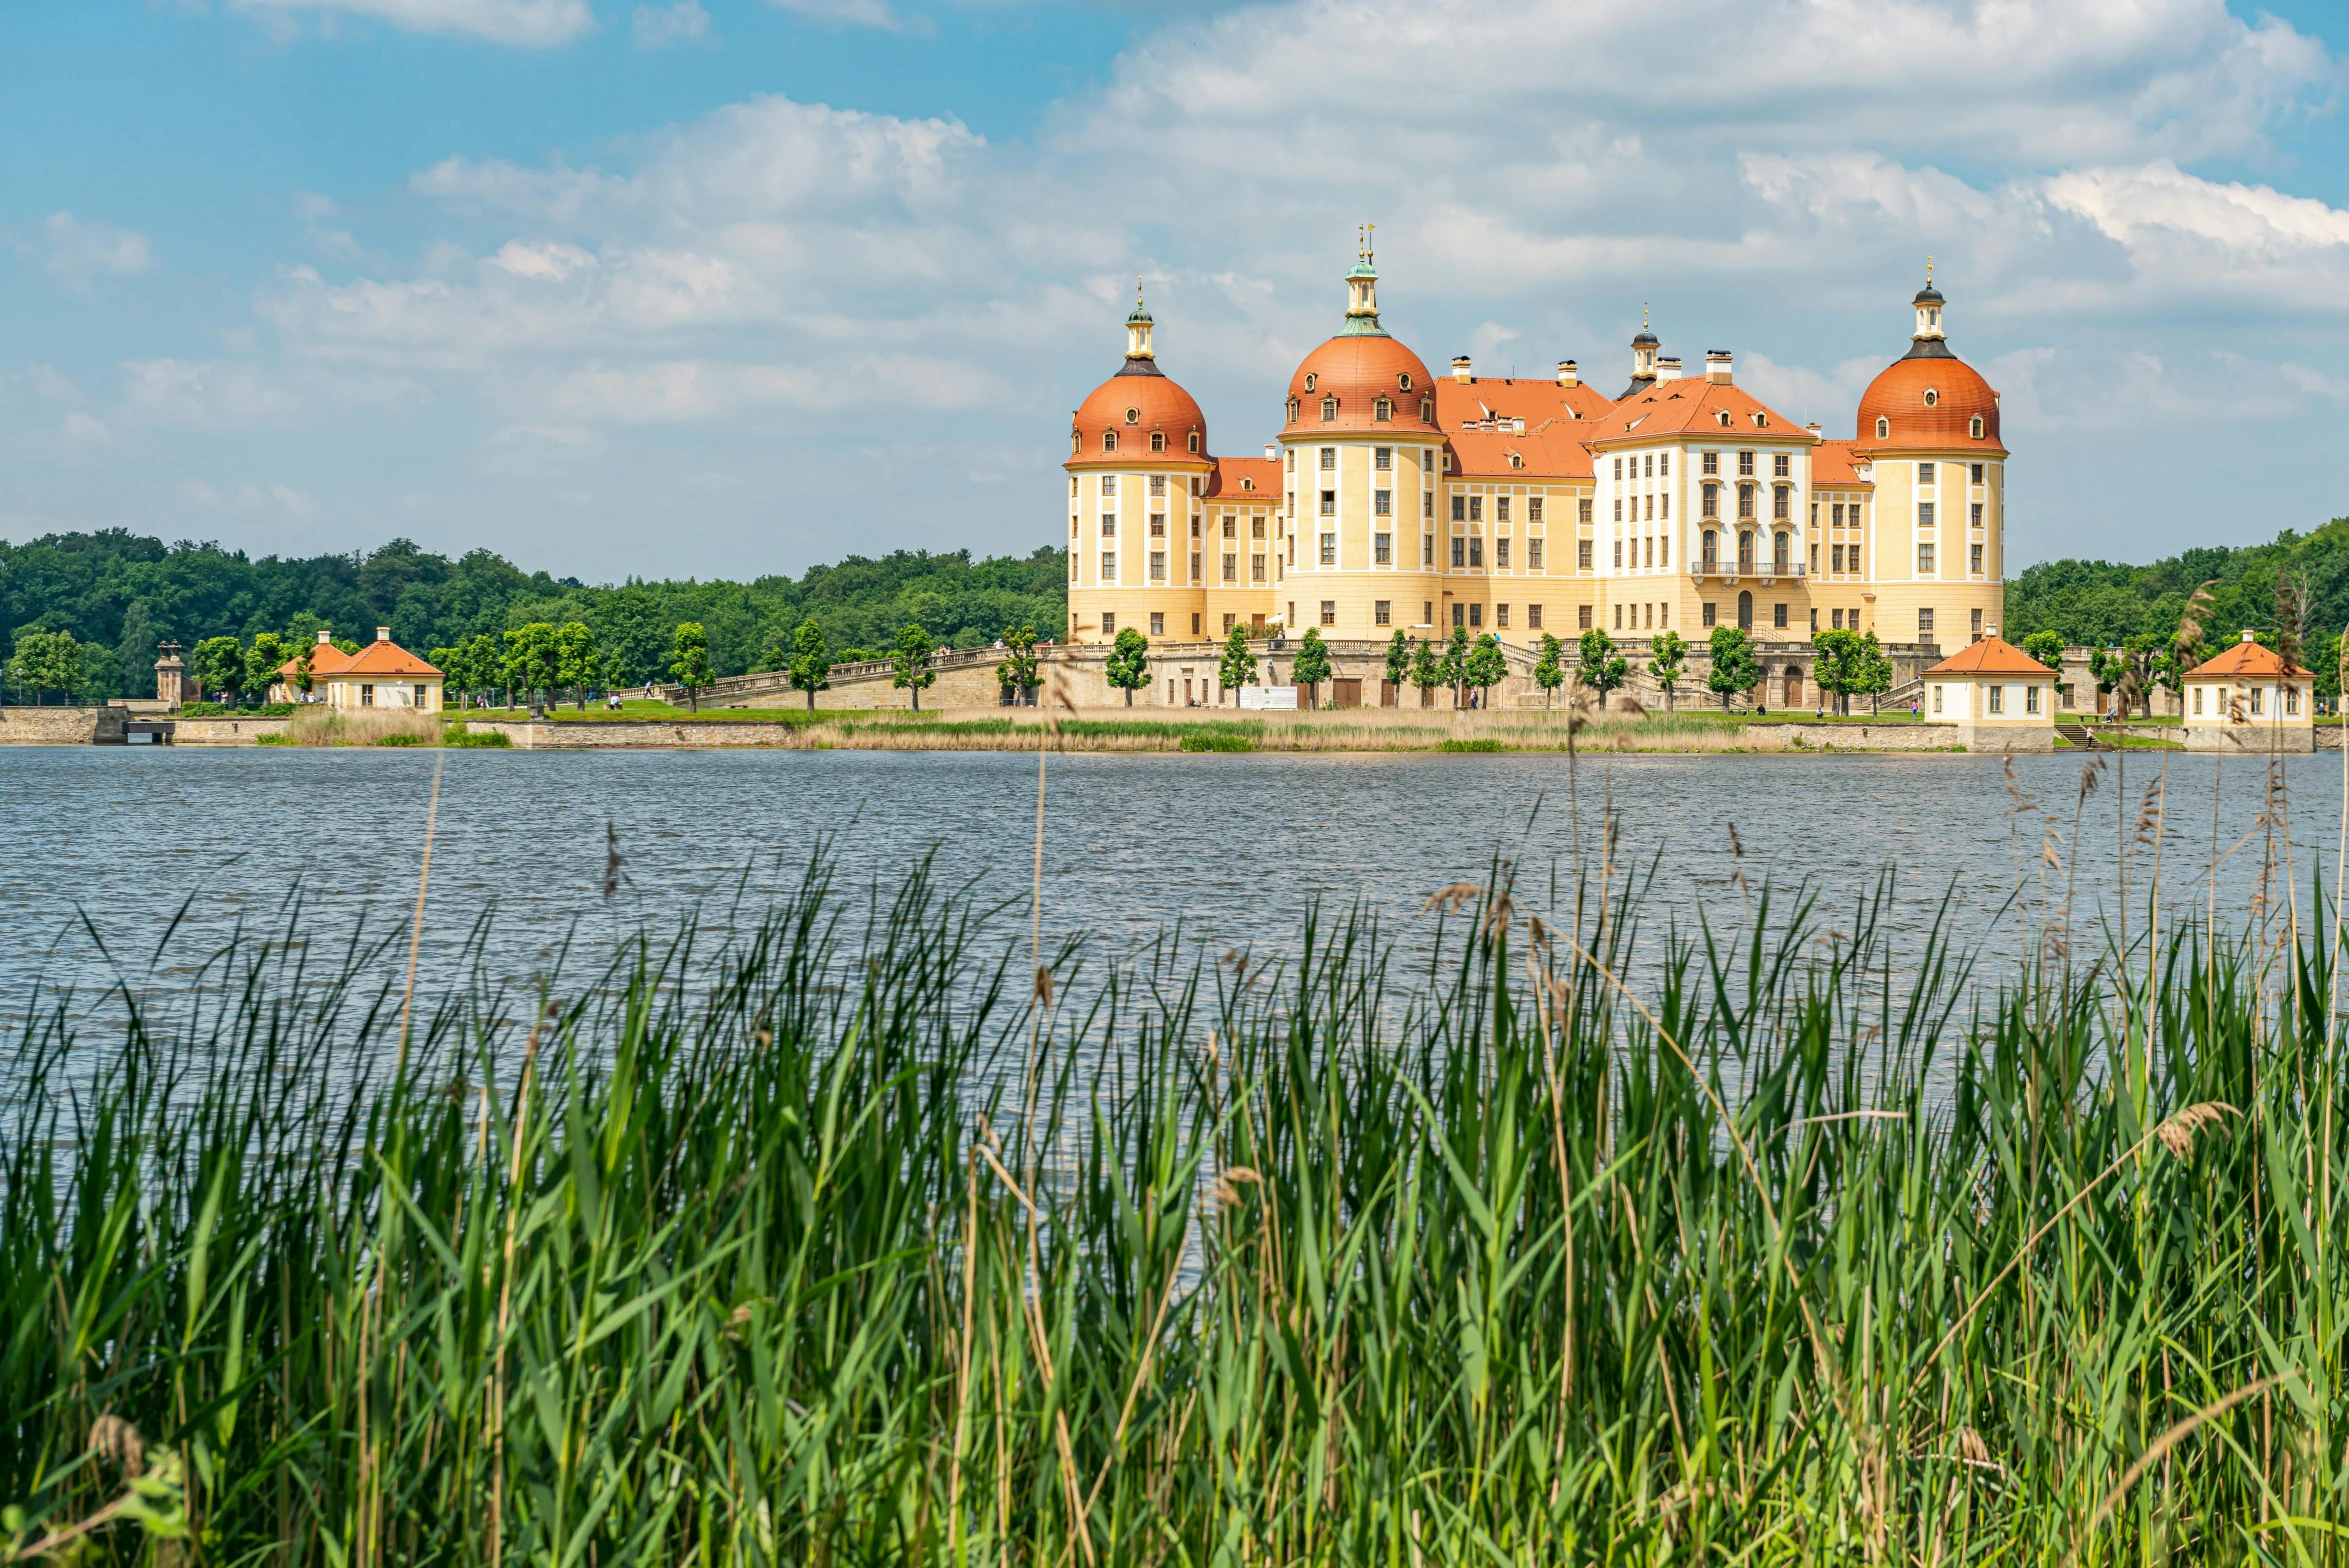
{"type": "Point", "coordinates": [1235, 847]}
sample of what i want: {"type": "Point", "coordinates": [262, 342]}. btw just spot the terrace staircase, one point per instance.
{"type": "Point", "coordinates": [2080, 737]}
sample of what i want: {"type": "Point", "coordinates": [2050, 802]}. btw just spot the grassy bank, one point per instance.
{"type": "Point", "coordinates": [821, 1247]}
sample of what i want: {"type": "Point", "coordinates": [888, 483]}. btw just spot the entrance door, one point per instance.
{"type": "Point", "coordinates": [1345, 693]}
{"type": "Point", "coordinates": [1388, 694]}
{"type": "Point", "coordinates": [1745, 611]}
{"type": "Point", "coordinates": [1794, 687]}
{"type": "Point", "coordinates": [1255, 625]}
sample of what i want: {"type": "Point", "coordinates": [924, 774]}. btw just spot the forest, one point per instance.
{"type": "Point", "coordinates": [125, 593]}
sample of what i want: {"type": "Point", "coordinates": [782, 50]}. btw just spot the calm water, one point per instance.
{"type": "Point", "coordinates": [1236, 847]}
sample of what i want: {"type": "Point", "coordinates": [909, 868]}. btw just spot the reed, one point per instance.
{"type": "Point", "coordinates": [1572, 1242]}
{"type": "Point", "coordinates": [315, 724]}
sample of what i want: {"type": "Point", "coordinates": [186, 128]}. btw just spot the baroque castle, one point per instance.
{"type": "Point", "coordinates": [1396, 498]}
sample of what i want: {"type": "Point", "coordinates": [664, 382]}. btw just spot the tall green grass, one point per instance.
{"type": "Point", "coordinates": [1802, 1247]}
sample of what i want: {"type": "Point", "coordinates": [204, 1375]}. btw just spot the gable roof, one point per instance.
{"type": "Point", "coordinates": [2246, 659]}
{"type": "Point", "coordinates": [385, 657]}
{"type": "Point", "coordinates": [325, 659]}
{"type": "Point", "coordinates": [1463, 404]}
{"type": "Point", "coordinates": [1553, 449]}
{"type": "Point", "coordinates": [1252, 479]}
{"type": "Point", "coordinates": [1837, 463]}
{"type": "Point", "coordinates": [1693, 405]}
{"type": "Point", "coordinates": [1990, 656]}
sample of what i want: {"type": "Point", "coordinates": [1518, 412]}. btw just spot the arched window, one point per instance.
{"type": "Point", "coordinates": [1778, 554]}
{"type": "Point", "coordinates": [1076, 442]}
{"type": "Point", "coordinates": [1427, 410]}
{"type": "Point", "coordinates": [1108, 440]}
{"type": "Point", "coordinates": [1883, 429]}
{"type": "Point", "coordinates": [1516, 459]}
{"type": "Point", "coordinates": [1745, 556]}
{"type": "Point", "coordinates": [1932, 398]}
{"type": "Point", "coordinates": [1329, 409]}
{"type": "Point", "coordinates": [1761, 420]}
{"type": "Point", "coordinates": [1712, 546]}
{"type": "Point", "coordinates": [1975, 429]}
{"type": "Point", "coordinates": [1157, 440]}
{"type": "Point", "coordinates": [1292, 411]}
{"type": "Point", "coordinates": [1721, 418]}
{"type": "Point", "coordinates": [1745, 612]}
{"type": "Point", "coordinates": [1383, 410]}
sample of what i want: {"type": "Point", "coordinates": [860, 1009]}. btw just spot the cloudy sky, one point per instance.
{"type": "Point", "coordinates": [722, 287]}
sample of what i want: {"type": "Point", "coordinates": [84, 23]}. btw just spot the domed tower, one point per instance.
{"type": "Point", "coordinates": [1138, 466]}
{"type": "Point", "coordinates": [1643, 358]}
{"type": "Point", "coordinates": [1359, 452]}
{"type": "Point", "coordinates": [1928, 431]}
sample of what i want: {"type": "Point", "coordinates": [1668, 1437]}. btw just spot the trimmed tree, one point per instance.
{"type": "Point", "coordinates": [1734, 668]}
{"type": "Point", "coordinates": [1549, 671]}
{"type": "Point", "coordinates": [575, 660]}
{"type": "Point", "coordinates": [1668, 663]}
{"type": "Point", "coordinates": [1128, 667]}
{"type": "Point", "coordinates": [1455, 662]}
{"type": "Point", "coordinates": [1427, 671]}
{"type": "Point", "coordinates": [49, 662]}
{"type": "Point", "coordinates": [529, 664]}
{"type": "Point", "coordinates": [1603, 669]}
{"type": "Point", "coordinates": [1398, 664]}
{"type": "Point", "coordinates": [219, 667]}
{"type": "Point", "coordinates": [1486, 666]}
{"type": "Point", "coordinates": [689, 661]}
{"type": "Point", "coordinates": [1018, 671]}
{"type": "Point", "coordinates": [1871, 672]}
{"type": "Point", "coordinates": [1237, 667]}
{"type": "Point", "coordinates": [263, 660]}
{"type": "Point", "coordinates": [915, 663]}
{"type": "Point", "coordinates": [1835, 660]}
{"type": "Point", "coordinates": [811, 661]}
{"type": "Point", "coordinates": [1312, 666]}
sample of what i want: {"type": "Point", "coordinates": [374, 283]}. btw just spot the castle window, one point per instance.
{"type": "Point", "coordinates": [1779, 506]}
{"type": "Point", "coordinates": [1476, 508]}
{"type": "Point", "coordinates": [1427, 410]}
{"type": "Point", "coordinates": [1108, 440]}
{"type": "Point", "coordinates": [1382, 503]}
{"type": "Point", "coordinates": [1533, 555]}
{"type": "Point", "coordinates": [1231, 566]}
{"type": "Point", "coordinates": [1383, 410]}
{"type": "Point", "coordinates": [1500, 509]}
{"type": "Point", "coordinates": [1108, 565]}
{"type": "Point", "coordinates": [1194, 440]}
{"type": "Point", "coordinates": [1312, 379]}
{"type": "Point", "coordinates": [1761, 421]}
{"type": "Point", "coordinates": [1329, 612]}
{"type": "Point", "coordinates": [1329, 503]}
{"type": "Point", "coordinates": [1231, 526]}
{"type": "Point", "coordinates": [1925, 474]}
{"type": "Point", "coordinates": [1932, 398]}
{"type": "Point", "coordinates": [1256, 527]}
{"type": "Point", "coordinates": [1109, 525]}
{"type": "Point", "coordinates": [1158, 566]}
{"type": "Point", "coordinates": [1924, 514]}
{"type": "Point", "coordinates": [1978, 467]}
{"type": "Point", "coordinates": [1158, 623]}
{"type": "Point", "coordinates": [1459, 508]}
{"type": "Point", "coordinates": [1582, 510]}
{"type": "Point", "coordinates": [1076, 442]}
{"type": "Point", "coordinates": [1516, 459]}
{"type": "Point", "coordinates": [1292, 411]}
{"type": "Point", "coordinates": [1108, 623]}
{"type": "Point", "coordinates": [1501, 554]}
{"type": "Point", "coordinates": [1382, 549]}
{"type": "Point", "coordinates": [1974, 429]}
{"type": "Point", "coordinates": [1533, 508]}
{"type": "Point", "coordinates": [1109, 484]}
{"type": "Point", "coordinates": [1618, 468]}
{"type": "Point", "coordinates": [1977, 514]}
{"type": "Point", "coordinates": [1883, 428]}
{"type": "Point", "coordinates": [1157, 440]}
{"type": "Point", "coordinates": [1722, 418]}
{"type": "Point", "coordinates": [1133, 416]}
{"type": "Point", "coordinates": [1924, 559]}
{"type": "Point", "coordinates": [1781, 466]}
{"type": "Point", "coordinates": [1459, 552]}
{"type": "Point", "coordinates": [1382, 611]}
{"type": "Point", "coordinates": [1745, 501]}
{"type": "Point", "coordinates": [1329, 549]}
{"type": "Point", "coordinates": [1403, 382]}
{"type": "Point", "coordinates": [1382, 458]}
{"type": "Point", "coordinates": [1745, 463]}
{"type": "Point", "coordinates": [1329, 459]}
{"type": "Point", "coordinates": [1329, 409]}
{"type": "Point", "coordinates": [1712, 463]}
{"type": "Point", "coordinates": [1158, 484]}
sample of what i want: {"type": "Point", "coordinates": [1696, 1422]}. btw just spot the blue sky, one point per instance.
{"type": "Point", "coordinates": [729, 287]}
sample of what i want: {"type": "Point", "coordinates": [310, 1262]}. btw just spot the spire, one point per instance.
{"type": "Point", "coordinates": [1141, 359]}
{"type": "Point", "coordinates": [1362, 290]}
{"type": "Point", "coordinates": [1928, 341]}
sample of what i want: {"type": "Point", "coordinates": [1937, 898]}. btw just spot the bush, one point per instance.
{"type": "Point", "coordinates": [459, 734]}
{"type": "Point", "coordinates": [1217, 740]}
{"type": "Point", "coordinates": [224, 710]}
{"type": "Point", "coordinates": [1471, 745]}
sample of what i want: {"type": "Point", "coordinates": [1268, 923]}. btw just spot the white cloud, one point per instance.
{"type": "Point", "coordinates": [241, 395]}
{"type": "Point", "coordinates": [76, 250]}
{"type": "Point", "coordinates": [845, 13]}
{"type": "Point", "coordinates": [84, 430]}
{"type": "Point", "coordinates": [659, 26]}
{"type": "Point", "coordinates": [249, 498]}
{"type": "Point", "coordinates": [529, 24]}
{"type": "Point", "coordinates": [53, 386]}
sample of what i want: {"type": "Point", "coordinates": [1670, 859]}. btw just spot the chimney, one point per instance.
{"type": "Point", "coordinates": [1269, 452]}
{"type": "Point", "coordinates": [1460, 370]}
{"type": "Point", "coordinates": [1989, 631]}
{"type": "Point", "coordinates": [1717, 364]}
{"type": "Point", "coordinates": [1568, 376]}
{"type": "Point", "coordinates": [325, 637]}
{"type": "Point", "coordinates": [2248, 635]}
{"type": "Point", "coordinates": [1812, 427]}
{"type": "Point", "coordinates": [383, 634]}
{"type": "Point", "coordinates": [1668, 368]}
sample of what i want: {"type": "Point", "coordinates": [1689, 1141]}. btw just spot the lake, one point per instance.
{"type": "Point", "coordinates": [1235, 847]}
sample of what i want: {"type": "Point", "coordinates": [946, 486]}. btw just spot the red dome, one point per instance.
{"type": "Point", "coordinates": [1358, 371]}
{"type": "Point", "coordinates": [1138, 402]}
{"type": "Point", "coordinates": [1929, 402]}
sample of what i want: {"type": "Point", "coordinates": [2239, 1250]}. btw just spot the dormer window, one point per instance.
{"type": "Point", "coordinates": [1157, 440]}
{"type": "Point", "coordinates": [1329, 409]}
{"type": "Point", "coordinates": [1932, 398]}
{"type": "Point", "coordinates": [1383, 410]}
{"type": "Point", "coordinates": [1403, 382]}
{"type": "Point", "coordinates": [1974, 428]}
{"type": "Point", "coordinates": [1292, 411]}
{"type": "Point", "coordinates": [1761, 421]}
{"type": "Point", "coordinates": [1516, 459]}
{"type": "Point", "coordinates": [1194, 440]}
{"type": "Point", "coordinates": [1883, 429]}
{"type": "Point", "coordinates": [1427, 410]}
{"type": "Point", "coordinates": [1108, 440]}
{"type": "Point", "coordinates": [1076, 443]}
{"type": "Point", "coordinates": [1312, 379]}
{"type": "Point", "coordinates": [1247, 484]}
{"type": "Point", "coordinates": [1722, 419]}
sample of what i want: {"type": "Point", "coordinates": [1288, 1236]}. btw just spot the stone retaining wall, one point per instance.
{"type": "Point", "coordinates": [224, 731]}
{"type": "Point", "coordinates": [20, 726]}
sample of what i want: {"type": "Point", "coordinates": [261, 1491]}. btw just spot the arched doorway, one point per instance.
{"type": "Point", "coordinates": [1745, 611]}
{"type": "Point", "coordinates": [1793, 697]}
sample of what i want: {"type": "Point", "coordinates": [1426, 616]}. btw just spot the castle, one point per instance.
{"type": "Point", "coordinates": [1393, 498]}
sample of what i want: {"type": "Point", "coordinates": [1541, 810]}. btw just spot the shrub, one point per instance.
{"type": "Point", "coordinates": [1481, 744]}
{"type": "Point", "coordinates": [1217, 740]}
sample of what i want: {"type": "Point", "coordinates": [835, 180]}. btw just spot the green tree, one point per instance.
{"type": "Point", "coordinates": [268, 655]}
{"type": "Point", "coordinates": [1603, 669]}
{"type": "Point", "coordinates": [1312, 666]}
{"type": "Point", "coordinates": [1549, 671]}
{"type": "Point", "coordinates": [219, 667]}
{"type": "Point", "coordinates": [483, 663]}
{"type": "Point", "coordinates": [1455, 663]}
{"type": "Point", "coordinates": [1237, 667]}
{"type": "Point", "coordinates": [1734, 668]}
{"type": "Point", "coordinates": [1485, 667]}
{"type": "Point", "coordinates": [1128, 665]}
{"type": "Point", "coordinates": [529, 665]}
{"type": "Point", "coordinates": [2048, 648]}
{"type": "Point", "coordinates": [2109, 667]}
{"type": "Point", "coordinates": [1427, 671]}
{"type": "Point", "coordinates": [1018, 670]}
{"type": "Point", "coordinates": [811, 661]}
{"type": "Point", "coordinates": [305, 677]}
{"type": "Point", "coordinates": [576, 663]}
{"type": "Point", "coordinates": [134, 650]}
{"type": "Point", "coordinates": [915, 663]}
{"type": "Point", "coordinates": [689, 661]}
{"type": "Point", "coordinates": [1398, 663]}
{"type": "Point", "coordinates": [1836, 664]}
{"type": "Point", "coordinates": [2138, 653]}
{"type": "Point", "coordinates": [46, 661]}
{"type": "Point", "coordinates": [1668, 662]}
{"type": "Point", "coordinates": [1870, 675]}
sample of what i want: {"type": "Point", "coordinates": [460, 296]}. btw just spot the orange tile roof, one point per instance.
{"type": "Point", "coordinates": [386, 657]}
{"type": "Point", "coordinates": [1233, 477]}
{"type": "Point", "coordinates": [1837, 463]}
{"type": "Point", "coordinates": [1694, 405]}
{"type": "Point", "coordinates": [1990, 656]}
{"type": "Point", "coordinates": [325, 659]}
{"type": "Point", "coordinates": [2246, 658]}
{"type": "Point", "coordinates": [1554, 449]}
{"type": "Point", "coordinates": [1534, 400]}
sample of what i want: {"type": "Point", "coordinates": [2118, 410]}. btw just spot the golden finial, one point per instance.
{"type": "Point", "coordinates": [1369, 241]}
{"type": "Point", "coordinates": [1643, 315]}
{"type": "Point", "coordinates": [1928, 272]}
{"type": "Point", "coordinates": [1137, 291]}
